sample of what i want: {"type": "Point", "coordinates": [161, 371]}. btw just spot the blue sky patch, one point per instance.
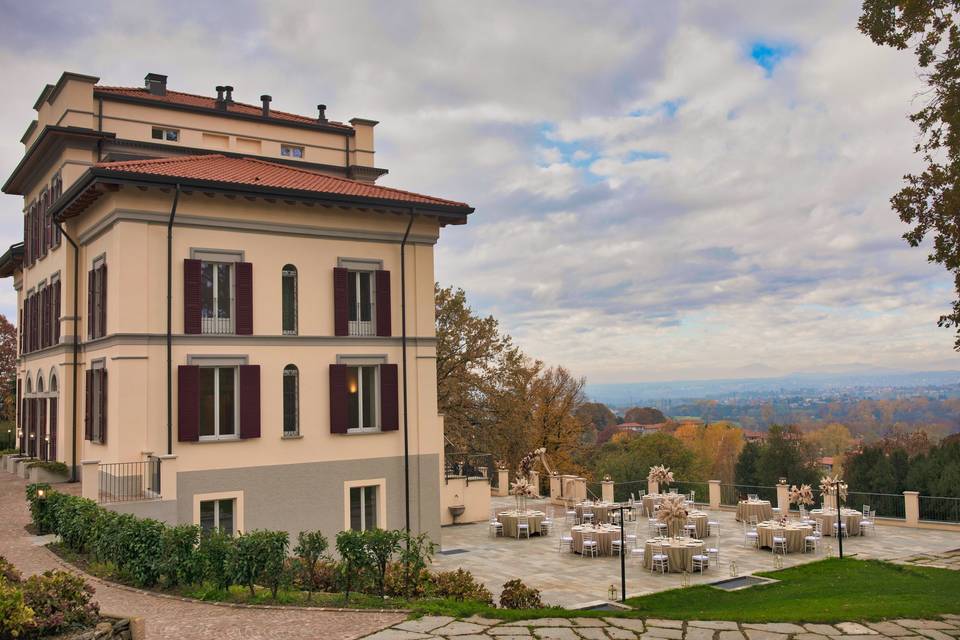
{"type": "Point", "coordinates": [768, 54]}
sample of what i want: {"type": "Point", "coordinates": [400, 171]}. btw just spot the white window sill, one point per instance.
{"type": "Point", "coordinates": [213, 439]}
{"type": "Point", "coordinates": [362, 432]}
{"type": "Point", "coordinates": [291, 436]}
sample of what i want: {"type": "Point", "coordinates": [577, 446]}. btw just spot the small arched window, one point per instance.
{"type": "Point", "coordinates": [289, 291]}
{"type": "Point", "coordinates": [29, 384]}
{"type": "Point", "coordinates": [291, 400]}
{"type": "Point", "coordinates": [53, 383]}
{"type": "Point", "coordinates": [39, 383]}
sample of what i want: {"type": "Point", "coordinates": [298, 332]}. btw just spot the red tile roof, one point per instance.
{"type": "Point", "coordinates": [206, 102]}
{"type": "Point", "coordinates": [260, 173]}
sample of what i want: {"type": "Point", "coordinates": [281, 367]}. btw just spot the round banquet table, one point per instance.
{"type": "Point", "coordinates": [700, 519]}
{"type": "Point", "coordinates": [602, 511]}
{"type": "Point", "coordinates": [828, 517]}
{"type": "Point", "coordinates": [794, 532]}
{"type": "Point", "coordinates": [650, 502]}
{"type": "Point", "coordinates": [604, 534]}
{"type": "Point", "coordinates": [680, 552]}
{"type": "Point", "coordinates": [759, 509]}
{"type": "Point", "coordinates": [509, 520]}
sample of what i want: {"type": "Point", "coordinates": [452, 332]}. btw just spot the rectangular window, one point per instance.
{"type": "Point", "coordinates": [291, 151]}
{"type": "Point", "coordinates": [218, 514]}
{"type": "Point", "coordinates": [362, 398]}
{"type": "Point", "coordinates": [98, 405]}
{"type": "Point", "coordinates": [216, 291]}
{"type": "Point", "coordinates": [289, 300]}
{"type": "Point", "coordinates": [97, 299]}
{"type": "Point", "coordinates": [167, 135]}
{"type": "Point", "coordinates": [218, 402]}
{"type": "Point", "coordinates": [360, 296]}
{"type": "Point", "coordinates": [291, 401]}
{"type": "Point", "coordinates": [363, 508]}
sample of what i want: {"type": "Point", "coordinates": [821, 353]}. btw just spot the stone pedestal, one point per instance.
{"type": "Point", "coordinates": [90, 479]}
{"type": "Point", "coordinates": [783, 498]}
{"type": "Point", "coordinates": [911, 508]}
{"type": "Point", "coordinates": [503, 482]}
{"type": "Point", "coordinates": [714, 486]}
{"type": "Point", "coordinates": [556, 490]}
{"type": "Point", "coordinates": [606, 490]}
{"type": "Point", "coordinates": [168, 477]}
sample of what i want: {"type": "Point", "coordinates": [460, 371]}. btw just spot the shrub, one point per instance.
{"type": "Point", "coordinates": [52, 466]}
{"type": "Point", "coordinates": [181, 561]}
{"type": "Point", "coordinates": [104, 537]}
{"type": "Point", "coordinates": [381, 545]}
{"type": "Point", "coordinates": [354, 559]}
{"type": "Point", "coordinates": [60, 601]}
{"type": "Point", "coordinates": [415, 553]}
{"type": "Point", "coordinates": [516, 595]}
{"type": "Point", "coordinates": [39, 509]}
{"type": "Point", "coordinates": [310, 550]}
{"type": "Point", "coordinates": [75, 522]}
{"type": "Point", "coordinates": [215, 547]}
{"type": "Point", "coordinates": [9, 572]}
{"type": "Point", "coordinates": [461, 585]}
{"type": "Point", "coordinates": [395, 582]}
{"type": "Point", "coordinates": [16, 618]}
{"type": "Point", "coordinates": [258, 556]}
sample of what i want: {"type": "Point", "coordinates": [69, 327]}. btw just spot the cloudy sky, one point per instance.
{"type": "Point", "coordinates": [663, 190]}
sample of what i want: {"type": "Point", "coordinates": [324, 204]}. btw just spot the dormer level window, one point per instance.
{"type": "Point", "coordinates": [291, 151]}
{"type": "Point", "coordinates": [168, 135]}
{"type": "Point", "coordinates": [360, 294]}
{"type": "Point", "coordinates": [217, 297]}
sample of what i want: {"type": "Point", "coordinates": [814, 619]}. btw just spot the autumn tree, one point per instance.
{"type": "Point", "coordinates": [644, 415]}
{"type": "Point", "coordinates": [596, 416]}
{"type": "Point", "coordinates": [8, 370]}
{"type": "Point", "coordinates": [929, 201]}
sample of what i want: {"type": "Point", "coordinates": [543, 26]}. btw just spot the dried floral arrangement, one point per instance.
{"type": "Point", "coordinates": [527, 462]}
{"type": "Point", "coordinates": [802, 495]}
{"type": "Point", "coordinates": [660, 474]}
{"type": "Point", "coordinates": [673, 507]}
{"type": "Point", "coordinates": [828, 487]}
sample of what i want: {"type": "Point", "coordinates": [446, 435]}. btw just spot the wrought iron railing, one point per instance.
{"type": "Point", "coordinates": [885, 505]}
{"type": "Point", "coordinates": [470, 465]}
{"type": "Point", "coordinates": [129, 481]}
{"type": "Point", "coordinates": [939, 509]}
{"type": "Point", "coordinates": [701, 490]}
{"type": "Point", "coordinates": [730, 494]}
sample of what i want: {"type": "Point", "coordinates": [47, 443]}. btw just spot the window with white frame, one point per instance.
{"type": "Point", "coordinates": [360, 295]}
{"type": "Point", "coordinates": [165, 134]}
{"type": "Point", "coordinates": [217, 297]}
{"type": "Point", "coordinates": [97, 400]}
{"type": "Point", "coordinates": [291, 400]}
{"type": "Point", "coordinates": [219, 404]}
{"type": "Point", "coordinates": [363, 507]}
{"type": "Point", "coordinates": [288, 285]}
{"type": "Point", "coordinates": [362, 391]}
{"type": "Point", "coordinates": [218, 514]}
{"type": "Point", "coordinates": [291, 151]}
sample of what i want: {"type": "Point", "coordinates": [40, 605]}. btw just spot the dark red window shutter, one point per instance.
{"type": "Point", "coordinates": [103, 405]}
{"type": "Point", "coordinates": [250, 401]}
{"type": "Point", "coordinates": [389, 398]}
{"type": "Point", "coordinates": [341, 302]}
{"type": "Point", "coordinates": [244, 298]}
{"type": "Point", "coordinates": [53, 429]}
{"type": "Point", "coordinates": [102, 290]}
{"type": "Point", "coordinates": [192, 297]}
{"type": "Point", "coordinates": [188, 403]}
{"type": "Point", "coordinates": [26, 237]}
{"type": "Point", "coordinates": [91, 313]}
{"type": "Point", "coordinates": [22, 334]}
{"type": "Point", "coordinates": [41, 428]}
{"type": "Point", "coordinates": [45, 317]}
{"type": "Point", "coordinates": [383, 303]}
{"type": "Point", "coordinates": [338, 398]}
{"type": "Point", "coordinates": [56, 312]}
{"type": "Point", "coordinates": [88, 405]}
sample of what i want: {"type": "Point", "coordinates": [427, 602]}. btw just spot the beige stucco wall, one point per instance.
{"type": "Point", "coordinates": [472, 493]}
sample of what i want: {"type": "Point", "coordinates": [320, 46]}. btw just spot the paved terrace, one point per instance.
{"type": "Point", "coordinates": [566, 579]}
{"type": "Point", "coordinates": [626, 629]}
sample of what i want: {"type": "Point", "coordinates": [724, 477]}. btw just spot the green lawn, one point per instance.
{"type": "Point", "coordinates": [830, 590]}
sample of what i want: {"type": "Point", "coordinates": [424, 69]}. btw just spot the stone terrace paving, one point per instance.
{"type": "Point", "coordinates": [568, 580]}
{"type": "Point", "coordinates": [476, 628]}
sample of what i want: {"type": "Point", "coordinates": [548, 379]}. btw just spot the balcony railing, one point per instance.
{"type": "Point", "coordinates": [939, 509]}
{"type": "Point", "coordinates": [217, 326]}
{"type": "Point", "coordinates": [470, 465]}
{"type": "Point", "coordinates": [362, 328]}
{"type": "Point", "coordinates": [129, 481]}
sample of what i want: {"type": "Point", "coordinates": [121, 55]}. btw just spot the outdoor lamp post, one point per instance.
{"type": "Point", "coordinates": [623, 559]}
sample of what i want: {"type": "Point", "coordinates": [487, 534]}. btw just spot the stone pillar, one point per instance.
{"type": "Point", "coordinates": [138, 628]}
{"type": "Point", "coordinates": [503, 482]}
{"type": "Point", "coordinates": [535, 483]}
{"type": "Point", "coordinates": [911, 508]}
{"type": "Point", "coordinates": [579, 489]}
{"type": "Point", "coordinates": [783, 498]}
{"type": "Point", "coordinates": [653, 487]}
{"type": "Point", "coordinates": [168, 477]}
{"type": "Point", "coordinates": [90, 479]}
{"type": "Point", "coordinates": [606, 490]}
{"type": "Point", "coordinates": [556, 489]}
{"type": "Point", "coordinates": [714, 486]}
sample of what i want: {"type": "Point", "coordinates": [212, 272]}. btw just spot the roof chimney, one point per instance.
{"type": "Point", "coordinates": [322, 116]}
{"type": "Point", "coordinates": [265, 99]}
{"type": "Point", "coordinates": [156, 84]}
{"type": "Point", "coordinates": [229, 97]}
{"type": "Point", "coordinates": [220, 103]}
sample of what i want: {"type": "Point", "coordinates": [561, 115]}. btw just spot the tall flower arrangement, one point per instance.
{"type": "Point", "coordinates": [673, 511]}
{"type": "Point", "coordinates": [828, 487]}
{"type": "Point", "coordinates": [802, 495]}
{"type": "Point", "coordinates": [661, 475]}
{"type": "Point", "coordinates": [521, 490]}
{"type": "Point", "coordinates": [527, 462]}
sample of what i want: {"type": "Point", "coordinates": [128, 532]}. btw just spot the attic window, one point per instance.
{"type": "Point", "coordinates": [291, 151]}
{"type": "Point", "coordinates": [170, 135]}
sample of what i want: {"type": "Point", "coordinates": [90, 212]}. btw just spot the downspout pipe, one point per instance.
{"type": "Point", "coordinates": [173, 215]}
{"type": "Point", "coordinates": [403, 348]}
{"type": "Point", "coordinates": [76, 346]}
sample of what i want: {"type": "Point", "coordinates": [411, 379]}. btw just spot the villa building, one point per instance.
{"type": "Point", "coordinates": [223, 318]}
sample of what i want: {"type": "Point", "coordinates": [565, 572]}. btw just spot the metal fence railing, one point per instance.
{"type": "Point", "coordinates": [939, 509]}
{"type": "Point", "coordinates": [470, 465]}
{"type": "Point", "coordinates": [129, 481]}
{"type": "Point", "coordinates": [622, 491]}
{"type": "Point", "coordinates": [885, 505]}
{"type": "Point", "coordinates": [730, 494]}
{"type": "Point", "coordinates": [701, 490]}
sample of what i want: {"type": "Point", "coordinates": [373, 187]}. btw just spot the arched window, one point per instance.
{"type": "Point", "coordinates": [53, 388]}
{"type": "Point", "coordinates": [291, 400]}
{"type": "Point", "coordinates": [29, 384]}
{"type": "Point", "coordinates": [289, 290]}
{"type": "Point", "coordinates": [39, 383]}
